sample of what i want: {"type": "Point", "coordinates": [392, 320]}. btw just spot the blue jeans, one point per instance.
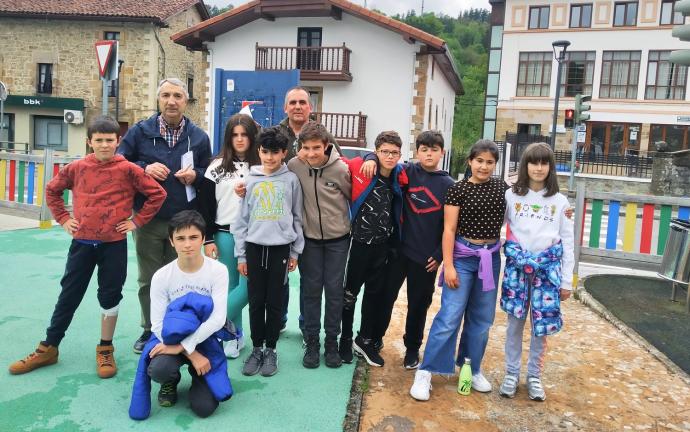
{"type": "Point", "coordinates": [237, 284]}
{"type": "Point", "coordinates": [478, 307]}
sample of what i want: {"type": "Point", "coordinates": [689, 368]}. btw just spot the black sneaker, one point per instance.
{"type": "Point", "coordinates": [366, 348]}
{"type": "Point", "coordinates": [167, 396]}
{"type": "Point", "coordinates": [331, 354]}
{"type": "Point", "coordinates": [345, 350]}
{"type": "Point", "coordinates": [378, 345]}
{"type": "Point", "coordinates": [312, 356]}
{"type": "Point", "coordinates": [141, 342]}
{"type": "Point", "coordinates": [411, 360]}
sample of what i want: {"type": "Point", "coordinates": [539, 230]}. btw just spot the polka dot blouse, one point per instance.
{"type": "Point", "coordinates": [482, 207]}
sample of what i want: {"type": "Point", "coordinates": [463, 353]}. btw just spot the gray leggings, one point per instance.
{"type": "Point", "coordinates": [537, 349]}
{"type": "Point", "coordinates": [165, 368]}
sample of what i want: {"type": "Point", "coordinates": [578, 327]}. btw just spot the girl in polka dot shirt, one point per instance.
{"type": "Point", "coordinates": [473, 215]}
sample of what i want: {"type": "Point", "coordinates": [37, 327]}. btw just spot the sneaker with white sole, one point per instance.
{"type": "Point", "coordinates": [480, 383]}
{"type": "Point", "coordinates": [509, 386]}
{"type": "Point", "coordinates": [535, 390]}
{"type": "Point", "coordinates": [232, 348]}
{"type": "Point", "coordinates": [421, 388]}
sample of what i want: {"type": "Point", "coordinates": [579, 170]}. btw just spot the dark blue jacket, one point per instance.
{"type": "Point", "coordinates": [422, 227]}
{"type": "Point", "coordinates": [143, 144]}
{"type": "Point", "coordinates": [182, 317]}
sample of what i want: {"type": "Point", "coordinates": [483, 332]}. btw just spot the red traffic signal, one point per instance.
{"type": "Point", "coordinates": [569, 114]}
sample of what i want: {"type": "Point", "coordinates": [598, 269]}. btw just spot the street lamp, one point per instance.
{"type": "Point", "coordinates": [561, 46]}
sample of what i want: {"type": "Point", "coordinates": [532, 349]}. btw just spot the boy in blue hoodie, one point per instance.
{"type": "Point", "coordinates": [419, 255]}
{"type": "Point", "coordinates": [268, 241]}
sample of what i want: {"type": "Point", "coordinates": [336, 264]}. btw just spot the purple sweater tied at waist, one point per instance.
{"type": "Point", "coordinates": [486, 273]}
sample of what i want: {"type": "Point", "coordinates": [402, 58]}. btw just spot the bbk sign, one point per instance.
{"type": "Point", "coordinates": [32, 102]}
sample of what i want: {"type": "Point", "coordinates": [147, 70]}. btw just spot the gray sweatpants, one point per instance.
{"type": "Point", "coordinates": [513, 349]}
{"type": "Point", "coordinates": [322, 271]}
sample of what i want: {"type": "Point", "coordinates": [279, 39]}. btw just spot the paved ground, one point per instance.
{"type": "Point", "coordinates": [70, 397]}
{"type": "Point", "coordinates": [596, 379]}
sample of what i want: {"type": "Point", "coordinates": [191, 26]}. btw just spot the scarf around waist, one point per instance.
{"type": "Point", "coordinates": [460, 250]}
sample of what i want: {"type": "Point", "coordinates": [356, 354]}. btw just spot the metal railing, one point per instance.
{"type": "Point", "coordinates": [320, 63]}
{"type": "Point", "coordinates": [634, 164]}
{"type": "Point", "coordinates": [348, 129]}
{"type": "Point", "coordinates": [15, 147]}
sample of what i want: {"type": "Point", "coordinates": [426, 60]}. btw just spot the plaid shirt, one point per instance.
{"type": "Point", "coordinates": [170, 134]}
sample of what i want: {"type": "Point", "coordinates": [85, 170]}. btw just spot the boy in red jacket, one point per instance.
{"type": "Point", "coordinates": [103, 186]}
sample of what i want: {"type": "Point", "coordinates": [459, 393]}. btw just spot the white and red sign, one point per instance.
{"type": "Point", "coordinates": [104, 54]}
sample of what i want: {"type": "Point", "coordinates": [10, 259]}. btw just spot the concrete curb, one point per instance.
{"type": "Point", "coordinates": [586, 299]}
{"type": "Point", "coordinates": [354, 406]}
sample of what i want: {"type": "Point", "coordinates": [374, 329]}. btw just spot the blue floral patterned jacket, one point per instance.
{"type": "Point", "coordinates": [535, 278]}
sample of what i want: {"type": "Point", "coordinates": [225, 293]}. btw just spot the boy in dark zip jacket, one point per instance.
{"type": "Point", "coordinates": [326, 188]}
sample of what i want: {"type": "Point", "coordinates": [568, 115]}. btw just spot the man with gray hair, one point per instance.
{"type": "Point", "coordinates": [175, 152]}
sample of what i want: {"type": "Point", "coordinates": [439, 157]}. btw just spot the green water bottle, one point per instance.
{"type": "Point", "coordinates": [465, 380]}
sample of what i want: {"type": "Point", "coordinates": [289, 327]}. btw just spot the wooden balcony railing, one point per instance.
{"type": "Point", "coordinates": [348, 129]}
{"type": "Point", "coordinates": [314, 63]}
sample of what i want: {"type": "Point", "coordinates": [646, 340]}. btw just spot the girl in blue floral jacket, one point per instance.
{"type": "Point", "coordinates": [539, 265]}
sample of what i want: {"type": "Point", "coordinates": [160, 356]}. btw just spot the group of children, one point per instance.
{"type": "Point", "coordinates": [369, 222]}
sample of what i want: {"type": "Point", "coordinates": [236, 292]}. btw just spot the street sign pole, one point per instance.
{"type": "Point", "coordinates": [573, 158]}
{"type": "Point", "coordinates": [106, 54]}
{"type": "Point", "coordinates": [105, 96]}
{"type": "Point", "coordinates": [3, 96]}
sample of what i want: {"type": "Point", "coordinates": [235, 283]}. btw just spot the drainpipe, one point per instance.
{"type": "Point", "coordinates": [162, 51]}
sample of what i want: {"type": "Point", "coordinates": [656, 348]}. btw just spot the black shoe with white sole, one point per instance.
{"type": "Point", "coordinates": [411, 360]}
{"type": "Point", "coordinates": [366, 348]}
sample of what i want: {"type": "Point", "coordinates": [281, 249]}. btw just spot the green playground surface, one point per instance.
{"type": "Point", "coordinates": [69, 396]}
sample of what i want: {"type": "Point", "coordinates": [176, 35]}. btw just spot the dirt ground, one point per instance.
{"type": "Point", "coordinates": [596, 379]}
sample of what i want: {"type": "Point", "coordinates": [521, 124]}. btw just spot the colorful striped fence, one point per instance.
{"type": "Point", "coordinates": [23, 179]}
{"type": "Point", "coordinates": [629, 230]}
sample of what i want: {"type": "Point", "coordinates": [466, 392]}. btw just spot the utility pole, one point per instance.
{"type": "Point", "coordinates": [422, 8]}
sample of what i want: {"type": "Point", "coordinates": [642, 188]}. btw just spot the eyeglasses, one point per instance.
{"type": "Point", "coordinates": [389, 153]}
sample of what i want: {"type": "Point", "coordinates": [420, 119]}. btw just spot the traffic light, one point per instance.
{"type": "Point", "coordinates": [569, 117]}
{"type": "Point", "coordinates": [682, 32]}
{"type": "Point", "coordinates": [581, 106]}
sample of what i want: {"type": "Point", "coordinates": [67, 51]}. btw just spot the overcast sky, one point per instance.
{"type": "Point", "coordinates": [392, 7]}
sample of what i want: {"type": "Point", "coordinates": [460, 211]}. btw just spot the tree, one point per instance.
{"type": "Point", "coordinates": [215, 10]}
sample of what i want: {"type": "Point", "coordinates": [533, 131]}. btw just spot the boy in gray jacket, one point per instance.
{"type": "Point", "coordinates": [268, 240]}
{"type": "Point", "coordinates": [326, 185]}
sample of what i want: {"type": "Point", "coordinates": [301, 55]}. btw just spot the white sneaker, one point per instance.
{"type": "Point", "coordinates": [232, 348]}
{"type": "Point", "coordinates": [480, 383]}
{"type": "Point", "coordinates": [422, 385]}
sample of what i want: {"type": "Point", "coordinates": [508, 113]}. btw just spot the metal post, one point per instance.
{"type": "Point", "coordinates": [579, 218]}
{"type": "Point", "coordinates": [117, 90]}
{"type": "Point", "coordinates": [105, 96]}
{"type": "Point", "coordinates": [46, 219]}
{"type": "Point", "coordinates": [561, 57]}
{"type": "Point", "coordinates": [674, 287]}
{"type": "Point", "coordinates": [573, 158]}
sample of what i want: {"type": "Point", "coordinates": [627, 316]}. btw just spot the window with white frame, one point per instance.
{"type": "Point", "coordinates": [665, 80]}
{"type": "Point", "coordinates": [620, 71]}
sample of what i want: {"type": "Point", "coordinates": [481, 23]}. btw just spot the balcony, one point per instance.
{"type": "Point", "coordinates": [314, 63]}
{"type": "Point", "coordinates": [348, 129]}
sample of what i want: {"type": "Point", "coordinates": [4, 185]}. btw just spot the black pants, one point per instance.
{"type": "Point", "coordinates": [366, 265]}
{"type": "Point", "coordinates": [267, 272]}
{"type": "Point", "coordinates": [82, 259]}
{"type": "Point", "coordinates": [165, 368]}
{"type": "Point", "coordinates": [420, 292]}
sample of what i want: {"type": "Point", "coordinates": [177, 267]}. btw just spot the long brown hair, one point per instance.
{"type": "Point", "coordinates": [227, 152]}
{"type": "Point", "coordinates": [534, 153]}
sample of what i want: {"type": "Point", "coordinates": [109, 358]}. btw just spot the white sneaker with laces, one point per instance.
{"type": "Point", "coordinates": [421, 387]}
{"type": "Point", "coordinates": [232, 348]}
{"type": "Point", "coordinates": [480, 383]}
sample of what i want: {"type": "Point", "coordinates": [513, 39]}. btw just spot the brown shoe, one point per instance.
{"type": "Point", "coordinates": [105, 361]}
{"type": "Point", "coordinates": [43, 356]}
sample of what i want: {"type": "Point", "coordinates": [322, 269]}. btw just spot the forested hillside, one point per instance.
{"type": "Point", "coordinates": [467, 37]}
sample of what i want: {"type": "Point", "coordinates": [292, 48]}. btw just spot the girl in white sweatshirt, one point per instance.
{"type": "Point", "coordinates": [220, 205]}
{"type": "Point", "coordinates": [539, 265]}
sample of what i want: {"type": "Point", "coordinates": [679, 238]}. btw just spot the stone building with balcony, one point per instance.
{"type": "Point", "coordinates": [618, 54]}
{"type": "Point", "coordinates": [365, 72]}
{"type": "Point", "coordinates": [48, 62]}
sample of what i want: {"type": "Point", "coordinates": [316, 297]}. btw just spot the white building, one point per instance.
{"type": "Point", "coordinates": [362, 68]}
{"type": "Point", "coordinates": [618, 54]}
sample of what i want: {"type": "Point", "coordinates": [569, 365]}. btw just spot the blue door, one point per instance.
{"type": "Point", "coordinates": [262, 91]}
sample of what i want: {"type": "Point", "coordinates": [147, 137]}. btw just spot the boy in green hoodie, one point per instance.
{"type": "Point", "coordinates": [268, 240]}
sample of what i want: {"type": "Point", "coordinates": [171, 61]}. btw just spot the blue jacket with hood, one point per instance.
{"type": "Point", "coordinates": [143, 145]}
{"type": "Point", "coordinates": [182, 318]}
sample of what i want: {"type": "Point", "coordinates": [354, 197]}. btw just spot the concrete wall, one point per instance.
{"type": "Point", "coordinates": [671, 174]}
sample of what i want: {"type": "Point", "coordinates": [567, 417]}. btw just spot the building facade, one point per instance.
{"type": "Point", "coordinates": [618, 54]}
{"type": "Point", "coordinates": [48, 62]}
{"type": "Point", "coordinates": [360, 67]}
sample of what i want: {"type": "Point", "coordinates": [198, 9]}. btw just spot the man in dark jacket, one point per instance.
{"type": "Point", "coordinates": [174, 151]}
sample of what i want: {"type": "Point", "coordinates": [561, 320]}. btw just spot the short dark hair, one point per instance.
{"type": "Point", "coordinates": [430, 138]}
{"type": "Point", "coordinates": [186, 219]}
{"type": "Point", "coordinates": [272, 139]}
{"type": "Point", "coordinates": [103, 124]}
{"type": "Point", "coordinates": [537, 152]}
{"type": "Point", "coordinates": [388, 137]}
{"type": "Point", "coordinates": [313, 131]}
